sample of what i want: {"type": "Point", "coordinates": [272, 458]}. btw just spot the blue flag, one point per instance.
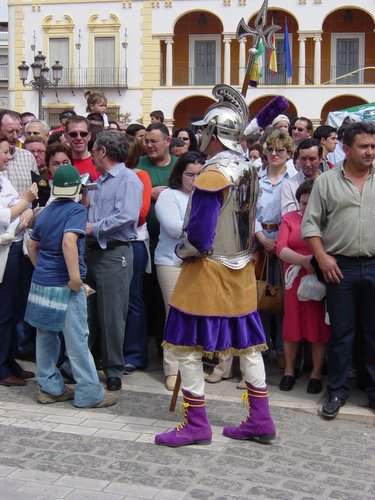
{"type": "Point", "coordinates": [288, 57]}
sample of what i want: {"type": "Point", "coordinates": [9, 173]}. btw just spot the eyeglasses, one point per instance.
{"type": "Point", "coordinates": [74, 135]}
{"type": "Point", "coordinates": [153, 142]}
{"type": "Point", "coordinates": [278, 151]}
{"type": "Point", "coordinates": [300, 129]}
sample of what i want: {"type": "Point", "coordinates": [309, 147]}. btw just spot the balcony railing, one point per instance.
{"type": "Point", "coordinates": [94, 77]}
{"type": "Point", "coordinates": [4, 71]}
{"type": "Point", "coordinates": [190, 76]}
{"type": "Point", "coordinates": [186, 76]}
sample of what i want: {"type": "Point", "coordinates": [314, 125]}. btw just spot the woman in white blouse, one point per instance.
{"type": "Point", "coordinates": [170, 211]}
{"type": "Point", "coordinates": [12, 227]}
{"type": "Point", "coordinates": [279, 149]}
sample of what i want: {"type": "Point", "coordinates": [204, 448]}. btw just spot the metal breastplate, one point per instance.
{"type": "Point", "coordinates": [235, 227]}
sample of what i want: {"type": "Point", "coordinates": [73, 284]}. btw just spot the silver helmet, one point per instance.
{"type": "Point", "coordinates": [228, 117]}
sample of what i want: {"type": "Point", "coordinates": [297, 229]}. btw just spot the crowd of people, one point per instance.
{"type": "Point", "coordinates": [147, 227]}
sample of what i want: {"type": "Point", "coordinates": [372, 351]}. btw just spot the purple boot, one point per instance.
{"type": "Point", "coordinates": [258, 426]}
{"type": "Point", "coordinates": [194, 429]}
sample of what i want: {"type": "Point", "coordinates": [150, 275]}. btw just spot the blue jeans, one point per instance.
{"type": "Point", "coordinates": [349, 303]}
{"type": "Point", "coordinates": [88, 390]}
{"type": "Point", "coordinates": [135, 341]}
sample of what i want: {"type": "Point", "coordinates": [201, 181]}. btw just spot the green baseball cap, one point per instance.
{"type": "Point", "coordinates": [66, 182]}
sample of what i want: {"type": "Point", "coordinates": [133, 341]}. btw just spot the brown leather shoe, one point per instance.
{"type": "Point", "coordinates": [12, 381]}
{"type": "Point", "coordinates": [26, 374]}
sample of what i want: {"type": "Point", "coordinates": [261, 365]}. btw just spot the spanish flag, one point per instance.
{"type": "Point", "coordinates": [272, 59]}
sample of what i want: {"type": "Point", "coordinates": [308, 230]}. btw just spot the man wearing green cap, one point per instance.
{"type": "Point", "coordinates": [57, 299]}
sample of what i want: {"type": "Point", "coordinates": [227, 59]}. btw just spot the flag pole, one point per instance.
{"type": "Point", "coordinates": [259, 33]}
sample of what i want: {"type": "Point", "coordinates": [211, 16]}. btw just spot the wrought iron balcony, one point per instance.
{"type": "Point", "coordinates": [186, 76]}
{"type": "Point", "coordinates": [93, 77]}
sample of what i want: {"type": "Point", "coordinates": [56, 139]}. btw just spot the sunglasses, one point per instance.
{"type": "Point", "coordinates": [299, 129]}
{"type": "Point", "coordinates": [278, 151]}
{"type": "Point", "coordinates": [74, 135]}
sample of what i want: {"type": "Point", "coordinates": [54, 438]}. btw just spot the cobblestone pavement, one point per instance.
{"type": "Point", "coordinates": [58, 451]}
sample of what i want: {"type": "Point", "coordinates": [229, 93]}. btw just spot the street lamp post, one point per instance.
{"type": "Point", "coordinates": [40, 77]}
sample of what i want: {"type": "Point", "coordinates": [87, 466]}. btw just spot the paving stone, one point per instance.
{"type": "Point", "coordinates": [169, 495]}
{"type": "Point", "coordinates": [82, 482]}
{"type": "Point", "coordinates": [324, 467]}
{"type": "Point", "coordinates": [346, 495]}
{"type": "Point", "coordinates": [291, 472]}
{"type": "Point", "coordinates": [221, 484]}
{"type": "Point", "coordinates": [5, 470]}
{"type": "Point", "coordinates": [82, 494]}
{"type": "Point", "coordinates": [44, 488]}
{"type": "Point", "coordinates": [200, 494]}
{"type": "Point", "coordinates": [263, 492]}
{"type": "Point", "coordinates": [315, 489]}
{"type": "Point", "coordinates": [231, 497]}
{"type": "Point", "coordinates": [35, 475]}
{"type": "Point", "coordinates": [176, 472]}
{"type": "Point", "coordinates": [136, 491]}
{"type": "Point", "coordinates": [9, 484]}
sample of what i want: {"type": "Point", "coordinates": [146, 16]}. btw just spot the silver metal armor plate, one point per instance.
{"type": "Point", "coordinates": [235, 227]}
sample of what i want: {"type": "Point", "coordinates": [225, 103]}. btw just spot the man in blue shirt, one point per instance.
{"type": "Point", "coordinates": [113, 216]}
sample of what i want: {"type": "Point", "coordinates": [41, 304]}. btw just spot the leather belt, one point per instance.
{"type": "Point", "coordinates": [271, 226]}
{"type": "Point", "coordinates": [93, 245]}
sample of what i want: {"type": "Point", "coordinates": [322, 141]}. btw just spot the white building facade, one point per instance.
{"type": "Point", "coordinates": [168, 54]}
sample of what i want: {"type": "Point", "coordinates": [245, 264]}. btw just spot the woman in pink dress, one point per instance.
{"type": "Point", "coordinates": [302, 320]}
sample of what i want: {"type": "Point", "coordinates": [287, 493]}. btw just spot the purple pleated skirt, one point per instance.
{"type": "Point", "coordinates": [214, 334]}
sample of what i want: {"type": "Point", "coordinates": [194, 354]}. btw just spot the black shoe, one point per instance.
{"type": "Point", "coordinates": [129, 368]}
{"type": "Point", "coordinates": [314, 386]}
{"type": "Point", "coordinates": [114, 384]}
{"type": "Point", "coordinates": [287, 383]}
{"type": "Point", "coordinates": [331, 407]}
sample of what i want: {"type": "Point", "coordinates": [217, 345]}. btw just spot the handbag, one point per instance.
{"type": "Point", "coordinates": [310, 288]}
{"type": "Point", "coordinates": [270, 297]}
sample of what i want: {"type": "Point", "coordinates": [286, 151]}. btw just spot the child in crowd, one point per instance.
{"type": "Point", "coordinates": [97, 103]}
{"type": "Point", "coordinates": [57, 298]}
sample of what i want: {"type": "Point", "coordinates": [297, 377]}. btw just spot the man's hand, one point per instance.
{"type": "Point", "coordinates": [155, 191]}
{"type": "Point", "coordinates": [26, 219]}
{"type": "Point", "coordinates": [329, 268]}
{"type": "Point", "coordinates": [88, 228]}
{"type": "Point", "coordinates": [75, 284]}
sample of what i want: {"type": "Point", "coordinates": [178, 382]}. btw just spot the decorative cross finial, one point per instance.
{"type": "Point", "coordinates": [259, 32]}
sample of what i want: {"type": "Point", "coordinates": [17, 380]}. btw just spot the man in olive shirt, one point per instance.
{"type": "Point", "coordinates": [339, 225]}
{"type": "Point", "coordinates": [158, 163]}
